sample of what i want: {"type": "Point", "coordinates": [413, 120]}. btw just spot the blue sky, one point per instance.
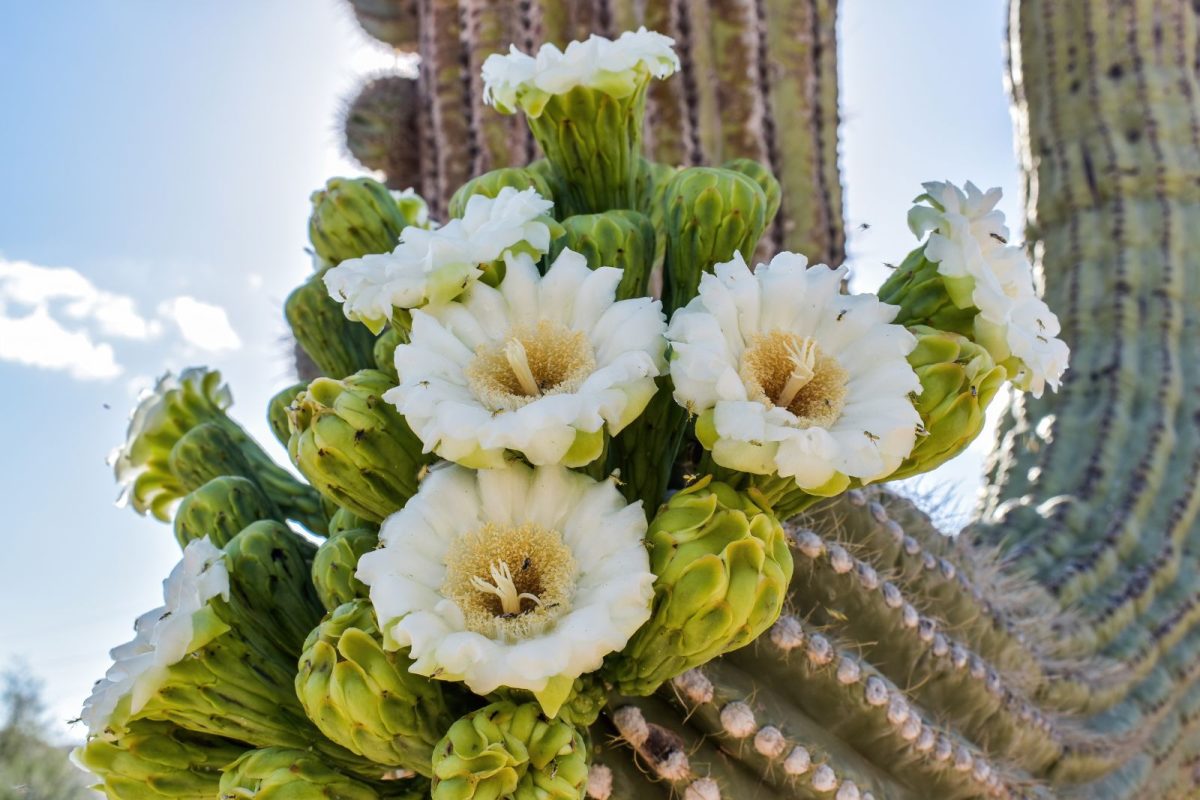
{"type": "Point", "coordinates": [157, 163]}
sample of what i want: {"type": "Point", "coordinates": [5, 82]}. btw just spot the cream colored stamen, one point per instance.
{"type": "Point", "coordinates": [510, 581]}
{"type": "Point", "coordinates": [533, 361]}
{"type": "Point", "coordinates": [503, 587]}
{"type": "Point", "coordinates": [518, 361]}
{"type": "Point", "coordinates": [804, 357]}
{"type": "Point", "coordinates": [785, 370]}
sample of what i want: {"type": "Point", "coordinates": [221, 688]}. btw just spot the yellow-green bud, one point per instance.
{"type": "Point", "coordinates": [512, 751]}
{"type": "Point", "coordinates": [723, 566]}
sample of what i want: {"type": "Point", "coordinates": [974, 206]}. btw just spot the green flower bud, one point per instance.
{"type": "Point", "coordinates": [337, 345]}
{"type": "Point", "coordinates": [155, 760]}
{"type": "Point", "coordinates": [343, 520]}
{"type": "Point", "coordinates": [723, 568]}
{"type": "Point", "coordinates": [210, 450]}
{"type": "Point", "coordinates": [543, 170]}
{"type": "Point", "coordinates": [761, 174]}
{"type": "Point", "coordinates": [958, 381]}
{"type": "Point", "coordinates": [271, 596]}
{"type": "Point", "coordinates": [220, 509]}
{"type": "Point", "coordinates": [354, 447]}
{"type": "Point", "coordinates": [334, 565]}
{"type": "Point", "coordinates": [623, 239]}
{"type": "Point", "coordinates": [489, 184]}
{"type": "Point", "coordinates": [353, 217]}
{"type": "Point", "coordinates": [277, 411]}
{"type": "Point", "coordinates": [593, 139]}
{"type": "Point", "coordinates": [513, 751]}
{"type": "Point", "coordinates": [924, 297]}
{"type": "Point", "coordinates": [385, 351]}
{"type": "Point", "coordinates": [586, 701]}
{"type": "Point", "coordinates": [276, 773]}
{"type": "Point", "coordinates": [364, 697]}
{"type": "Point", "coordinates": [711, 215]}
{"type": "Point", "coordinates": [144, 464]}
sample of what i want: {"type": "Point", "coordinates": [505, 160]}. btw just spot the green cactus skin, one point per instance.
{"type": "Point", "coordinates": [624, 239]}
{"type": "Point", "coordinates": [334, 565]}
{"type": "Point", "coordinates": [382, 129]}
{"type": "Point", "coordinates": [354, 447]}
{"type": "Point", "coordinates": [364, 697]}
{"type": "Point", "coordinates": [155, 760]}
{"type": "Point", "coordinates": [338, 346]}
{"type": "Point", "coordinates": [392, 22]}
{"type": "Point", "coordinates": [220, 509]}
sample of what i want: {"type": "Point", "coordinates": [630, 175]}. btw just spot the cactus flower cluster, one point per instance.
{"type": "Point", "coordinates": [547, 467]}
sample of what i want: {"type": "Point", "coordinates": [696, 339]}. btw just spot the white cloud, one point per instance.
{"type": "Point", "coordinates": [202, 325]}
{"type": "Point", "coordinates": [38, 340]}
{"type": "Point", "coordinates": [115, 315]}
{"type": "Point", "coordinates": [55, 318]}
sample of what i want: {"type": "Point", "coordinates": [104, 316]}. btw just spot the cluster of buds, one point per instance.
{"type": "Point", "coordinates": [499, 453]}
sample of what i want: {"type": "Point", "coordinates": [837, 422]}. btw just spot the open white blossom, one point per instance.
{"type": "Point", "coordinates": [614, 67]}
{"type": "Point", "coordinates": [163, 636]}
{"type": "Point", "coordinates": [435, 265]}
{"type": "Point", "coordinates": [542, 366]}
{"type": "Point", "coordinates": [968, 240]}
{"type": "Point", "coordinates": [791, 377]}
{"type": "Point", "coordinates": [524, 577]}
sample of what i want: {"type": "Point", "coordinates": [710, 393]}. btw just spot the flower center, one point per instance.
{"type": "Point", "coordinates": [511, 582]}
{"type": "Point", "coordinates": [785, 370]}
{"type": "Point", "coordinates": [535, 360]}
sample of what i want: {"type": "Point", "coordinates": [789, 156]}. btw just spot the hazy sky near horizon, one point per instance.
{"type": "Point", "coordinates": [157, 161]}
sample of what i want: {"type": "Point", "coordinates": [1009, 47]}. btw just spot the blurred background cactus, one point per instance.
{"type": "Point", "coordinates": [1050, 650]}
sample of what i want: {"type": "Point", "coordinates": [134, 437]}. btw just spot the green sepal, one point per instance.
{"type": "Point", "coordinates": [277, 411]}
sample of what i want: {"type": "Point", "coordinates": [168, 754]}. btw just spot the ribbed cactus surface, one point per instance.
{"type": "Point", "coordinates": [758, 81]}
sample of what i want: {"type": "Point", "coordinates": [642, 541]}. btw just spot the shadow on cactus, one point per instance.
{"type": "Point", "coordinates": [560, 448]}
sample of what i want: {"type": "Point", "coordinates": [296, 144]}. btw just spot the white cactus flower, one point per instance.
{"type": "Point", "coordinates": [524, 577]}
{"type": "Point", "coordinates": [615, 67]}
{"type": "Point", "coordinates": [541, 366]}
{"type": "Point", "coordinates": [790, 377]}
{"type": "Point", "coordinates": [165, 635]}
{"type": "Point", "coordinates": [435, 265]}
{"type": "Point", "coordinates": [968, 240]}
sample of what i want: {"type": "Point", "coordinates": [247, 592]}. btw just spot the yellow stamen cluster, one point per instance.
{"type": "Point", "coordinates": [786, 370]}
{"type": "Point", "coordinates": [511, 582]}
{"type": "Point", "coordinates": [535, 360]}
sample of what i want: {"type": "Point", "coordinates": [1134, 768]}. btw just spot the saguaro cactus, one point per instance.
{"type": "Point", "coordinates": [758, 81]}
{"type": "Point", "coordinates": [594, 647]}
